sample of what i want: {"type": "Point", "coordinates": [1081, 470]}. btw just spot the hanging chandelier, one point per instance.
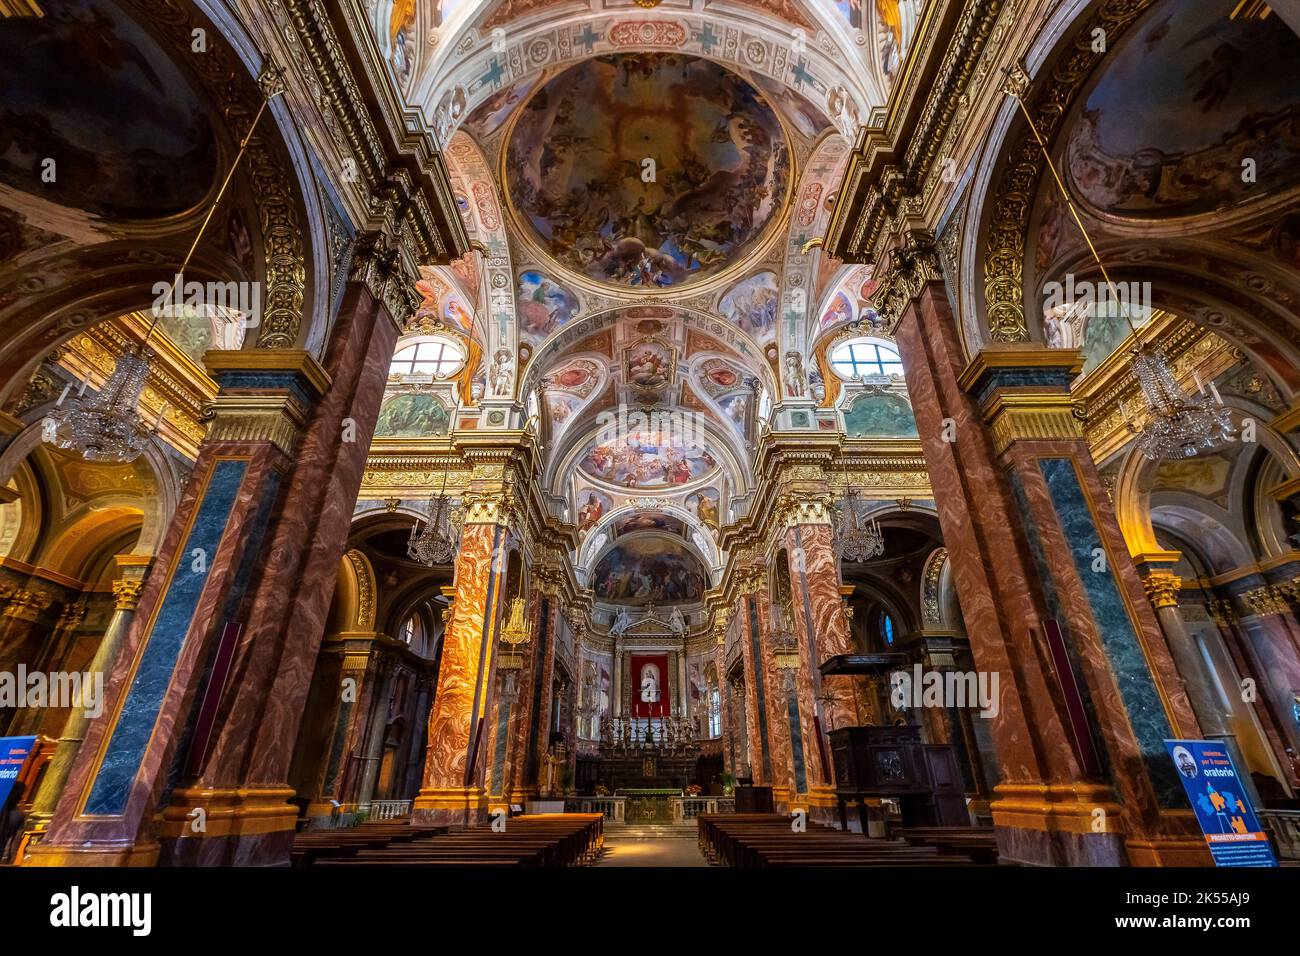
{"type": "Point", "coordinates": [857, 537]}
{"type": "Point", "coordinates": [1177, 425]}
{"type": "Point", "coordinates": [107, 426]}
{"type": "Point", "coordinates": [437, 541]}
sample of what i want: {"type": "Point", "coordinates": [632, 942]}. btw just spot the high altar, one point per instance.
{"type": "Point", "coordinates": [650, 744]}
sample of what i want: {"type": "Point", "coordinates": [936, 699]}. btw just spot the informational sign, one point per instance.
{"type": "Point", "coordinates": [1222, 807]}
{"type": "Point", "coordinates": [14, 752]}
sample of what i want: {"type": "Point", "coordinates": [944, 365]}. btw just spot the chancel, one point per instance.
{"type": "Point", "coordinates": [611, 432]}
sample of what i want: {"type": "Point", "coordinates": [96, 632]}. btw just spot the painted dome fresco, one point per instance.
{"type": "Point", "coordinates": [647, 170]}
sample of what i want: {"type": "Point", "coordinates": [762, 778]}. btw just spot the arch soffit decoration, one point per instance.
{"type": "Point", "coordinates": [137, 254]}
{"type": "Point", "coordinates": [1008, 177]}
{"type": "Point", "coordinates": [476, 59]}
{"type": "Point", "coordinates": [590, 551]}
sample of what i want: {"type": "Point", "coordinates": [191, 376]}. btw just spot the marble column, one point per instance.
{"type": "Point", "coordinates": [823, 632]}
{"type": "Point", "coordinates": [746, 613]}
{"type": "Point", "coordinates": [454, 768]}
{"type": "Point", "coordinates": [518, 784]}
{"type": "Point", "coordinates": [788, 775]}
{"type": "Point", "coordinates": [1162, 587]}
{"type": "Point", "coordinates": [355, 688]}
{"type": "Point", "coordinates": [373, 751]}
{"type": "Point", "coordinates": [1265, 617]}
{"type": "Point", "coordinates": [126, 593]}
{"type": "Point", "coordinates": [539, 734]}
{"type": "Point", "coordinates": [215, 668]}
{"type": "Point", "coordinates": [243, 780]}
{"type": "Point", "coordinates": [1052, 602]}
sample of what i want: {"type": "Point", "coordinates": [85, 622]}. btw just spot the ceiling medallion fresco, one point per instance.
{"type": "Point", "coordinates": [647, 170]}
{"type": "Point", "coordinates": [647, 457]}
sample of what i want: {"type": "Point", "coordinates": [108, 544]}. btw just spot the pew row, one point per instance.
{"type": "Point", "coordinates": [553, 839]}
{"type": "Point", "coordinates": [732, 839]}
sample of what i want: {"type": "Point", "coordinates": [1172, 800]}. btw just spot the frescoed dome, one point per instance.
{"type": "Point", "coordinates": [647, 170]}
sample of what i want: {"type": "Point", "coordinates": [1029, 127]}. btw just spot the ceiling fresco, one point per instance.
{"type": "Point", "coordinates": [647, 170]}
{"type": "Point", "coordinates": [650, 569]}
{"type": "Point", "coordinates": [83, 68]}
{"type": "Point", "coordinates": [1177, 148]}
{"type": "Point", "coordinates": [649, 457]}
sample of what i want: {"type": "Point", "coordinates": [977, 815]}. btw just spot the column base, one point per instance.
{"type": "Point", "coordinates": [823, 806]}
{"type": "Point", "coordinates": [1058, 825]}
{"type": "Point", "coordinates": [240, 827]}
{"type": "Point", "coordinates": [45, 854]}
{"type": "Point", "coordinates": [450, 806]}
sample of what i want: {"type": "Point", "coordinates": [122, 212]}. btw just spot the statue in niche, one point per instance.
{"type": "Point", "coordinates": [649, 684]}
{"type": "Point", "coordinates": [677, 622]}
{"type": "Point", "coordinates": [621, 623]}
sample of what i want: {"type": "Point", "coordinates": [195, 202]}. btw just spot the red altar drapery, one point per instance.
{"type": "Point", "coordinates": [650, 678]}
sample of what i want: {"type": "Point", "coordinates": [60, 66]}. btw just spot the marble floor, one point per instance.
{"type": "Point", "coordinates": [651, 846]}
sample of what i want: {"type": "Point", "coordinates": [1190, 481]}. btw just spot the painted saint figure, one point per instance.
{"type": "Point", "coordinates": [650, 684]}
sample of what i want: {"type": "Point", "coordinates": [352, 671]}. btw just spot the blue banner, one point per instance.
{"type": "Point", "coordinates": [1222, 808]}
{"type": "Point", "coordinates": [14, 752]}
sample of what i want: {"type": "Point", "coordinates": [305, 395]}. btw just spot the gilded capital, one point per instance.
{"type": "Point", "coordinates": [1162, 588]}
{"type": "Point", "coordinates": [1265, 600]}
{"type": "Point", "coordinates": [796, 509]}
{"type": "Point", "coordinates": [911, 266]}
{"type": "Point", "coordinates": [25, 604]}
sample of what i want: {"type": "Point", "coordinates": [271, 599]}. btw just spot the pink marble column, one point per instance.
{"type": "Point", "coordinates": [247, 766]}
{"type": "Point", "coordinates": [760, 747]}
{"type": "Point", "coordinates": [1014, 522]}
{"type": "Point", "coordinates": [822, 628]}
{"type": "Point", "coordinates": [454, 762]}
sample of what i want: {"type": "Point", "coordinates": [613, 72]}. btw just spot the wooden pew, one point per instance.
{"type": "Point", "coordinates": [560, 839]}
{"type": "Point", "coordinates": [767, 840]}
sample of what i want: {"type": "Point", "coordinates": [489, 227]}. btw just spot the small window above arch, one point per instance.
{"type": "Point", "coordinates": [856, 358]}
{"type": "Point", "coordinates": [434, 355]}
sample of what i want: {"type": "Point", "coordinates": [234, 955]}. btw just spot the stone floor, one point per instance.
{"type": "Point", "coordinates": [651, 845]}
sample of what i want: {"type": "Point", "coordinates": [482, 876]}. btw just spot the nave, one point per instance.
{"type": "Point", "coordinates": [618, 433]}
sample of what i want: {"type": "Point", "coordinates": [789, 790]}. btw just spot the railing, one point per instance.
{"type": "Point", "coordinates": [1285, 825]}
{"type": "Point", "coordinates": [389, 809]}
{"type": "Point", "coordinates": [688, 808]}
{"type": "Point", "coordinates": [612, 808]}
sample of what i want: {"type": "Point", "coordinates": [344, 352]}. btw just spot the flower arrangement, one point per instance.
{"type": "Point", "coordinates": [601, 790]}
{"type": "Point", "coordinates": [693, 790]}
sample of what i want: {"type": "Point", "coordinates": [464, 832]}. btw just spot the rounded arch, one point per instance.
{"type": "Point", "coordinates": [477, 57]}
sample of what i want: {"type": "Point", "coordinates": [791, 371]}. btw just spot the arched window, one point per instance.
{"type": "Point", "coordinates": [411, 631]}
{"type": "Point", "coordinates": [434, 356]}
{"type": "Point", "coordinates": [715, 710]}
{"type": "Point", "coordinates": [887, 629]}
{"type": "Point", "coordinates": [859, 357]}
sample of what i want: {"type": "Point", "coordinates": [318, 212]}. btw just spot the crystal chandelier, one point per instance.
{"type": "Point", "coordinates": [436, 542]}
{"type": "Point", "coordinates": [857, 538]}
{"type": "Point", "coordinates": [1179, 425]}
{"type": "Point", "coordinates": [106, 426]}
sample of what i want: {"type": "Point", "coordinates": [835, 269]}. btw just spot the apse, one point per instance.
{"type": "Point", "coordinates": [649, 568]}
{"type": "Point", "coordinates": [647, 170]}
